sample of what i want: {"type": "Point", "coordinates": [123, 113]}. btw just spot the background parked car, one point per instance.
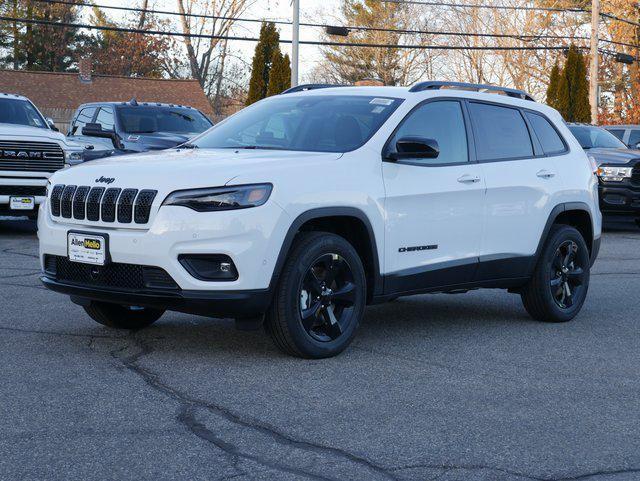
{"type": "Point", "coordinates": [116, 128]}
{"type": "Point", "coordinates": [618, 170]}
{"type": "Point", "coordinates": [629, 134]}
{"type": "Point", "coordinates": [31, 149]}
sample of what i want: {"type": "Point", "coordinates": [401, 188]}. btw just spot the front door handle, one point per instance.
{"type": "Point", "coordinates": [545, 174]}
{"type": "Point", "coordinates": [468, 179]}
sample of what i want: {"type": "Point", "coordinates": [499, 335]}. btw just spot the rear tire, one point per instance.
{"type": "Point", "coordinates": [320, 298]}
{"type": "Point", "coordinates": [560, 282]}
{"type": "Point", "coordinates": [122, 317]}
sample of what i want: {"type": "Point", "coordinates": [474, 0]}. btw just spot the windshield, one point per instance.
{"type": "Point", "coordinates": [20, 112]}
{"type": "Point", "coordinates": [595, 138]}
{"type": "Point", "coordinates": [314, 123]}
{"type": "Point", "coordinates": [150, 119]}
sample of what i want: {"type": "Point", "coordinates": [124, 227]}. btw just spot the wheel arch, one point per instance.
{"type": "Point", "coordinates": [348, 222]}
{"type": "Point", "coordinates": [574, 214]}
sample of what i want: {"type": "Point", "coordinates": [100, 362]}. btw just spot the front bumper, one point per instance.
{"type": "Point", "coordinates": [619, 200]}
{"type": "Point", "coordinates": [231, 304]}
{"type": "Point", "coordinates": [17, 186]}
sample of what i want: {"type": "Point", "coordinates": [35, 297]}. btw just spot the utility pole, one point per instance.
{"type": "Point", "coordinates": [593, 68]}
{"type": "Point", "coordinates": [295, 42]}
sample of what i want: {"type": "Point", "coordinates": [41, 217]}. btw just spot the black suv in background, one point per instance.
{"type": "Point", "coordinates": [618, 170]}
{"type": "Point", "coordinates": [115, 128]}
{"type": "Point", "coordinates": [629, 134]}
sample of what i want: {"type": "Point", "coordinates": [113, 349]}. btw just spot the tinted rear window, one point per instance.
{"type": "Point", "coordinates": [547, 134]}
{"type": "Point", "coordinates": [501, 132]}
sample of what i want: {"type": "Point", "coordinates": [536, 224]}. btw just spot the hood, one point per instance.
{"type": "Point", "coordinates": [25, 132]}
{"type": "Point", "coordinates": [613, 156]}
{"type": "Point", "coordinates": [171, 170]}
{"type": "Point", "coordinates": [159, 140]}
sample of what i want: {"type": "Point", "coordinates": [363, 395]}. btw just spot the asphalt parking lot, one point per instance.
{"type": "Point", "coordinates": [435, 387]}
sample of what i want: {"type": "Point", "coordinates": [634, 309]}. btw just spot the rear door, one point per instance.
{"type": "Point", "coordinates": [433, 206]}
{"type": "Point", "coordinates": [522, 184]}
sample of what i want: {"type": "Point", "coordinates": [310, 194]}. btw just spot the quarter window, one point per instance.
{"type": "Point", "coordinates": [84, 117]}
{"type": "Point", "coordinates": [105, 118]}
{"type": "Point", "coordinates": [441, 121]}
{"type": "Point", "coordinates": [547, 135]}
{"type": "Point", "coordinates": [501, 132]}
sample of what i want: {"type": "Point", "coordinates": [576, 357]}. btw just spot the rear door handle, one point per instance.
{"type": "Point", "coordinates": [545, 174]}
{"type": "Point", "coordinates": [468, 179]}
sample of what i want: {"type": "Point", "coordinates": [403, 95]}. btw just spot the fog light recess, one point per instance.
{"type": "Point", "coordinates": [209, 267]}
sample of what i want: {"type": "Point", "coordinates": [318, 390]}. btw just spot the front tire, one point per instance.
{"type": "Point", "coordinates": [320, 298]}
{"type": "Point", "coordinates": [122, 317]}
{"type": "Point", "coordinates": [560, 282]}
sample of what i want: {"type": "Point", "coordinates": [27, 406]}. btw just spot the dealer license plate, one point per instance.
{"type": "Point", "coordinates": [22, 203]}
{"type": "Point", "coordinates": [87, 248]}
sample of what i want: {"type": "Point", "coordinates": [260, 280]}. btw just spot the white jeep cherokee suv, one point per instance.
{"type": "Point", "coordinates": [300, 210]}
{"type": "Point", "coordinates": [30, 150]}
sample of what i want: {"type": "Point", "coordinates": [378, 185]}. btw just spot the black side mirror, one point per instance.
{"type": "Point", "coordinates": [96, 130]}
{"type": "Point", "coordinates": [415, 148]}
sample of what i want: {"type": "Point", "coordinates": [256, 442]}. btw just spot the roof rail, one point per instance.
{"type": "Point", "coordinates": [305, 87]}
{"type": "Point", "coordinates": [436, 85]}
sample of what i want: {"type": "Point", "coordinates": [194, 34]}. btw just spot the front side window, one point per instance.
{"type": "Point", "coordinates": [617, 132]}
{"type": "Point", "coordinates": [84, 117]}
{"type": "Point", "coordinates": [546, 134]}
{"type": "Point", "coordinates": [595, 138]}
{"type": "Point", "coordinates": [20, 112]}
{"type": "Point", "coordinates": [634, 138]}
{"type": "Point", "coordinates": [441, 121]}
{"type": "Point", "coordinates": [313, 123]}
{"type": "Point", "coordinates": [500, 132]}
{"type": "Point", "coordinates": [143, 119]}
{"type": "Point", "coordinates": [105, 118]}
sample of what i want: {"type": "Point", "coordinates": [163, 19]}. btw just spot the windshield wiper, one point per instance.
{"type": "Point", "coordinates": [255, 147]}
{"type": "Point", "coordinates": [188, 146]}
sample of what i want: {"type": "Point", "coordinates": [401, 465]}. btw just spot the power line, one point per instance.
{"type": "Point", "coordinates": [254, 39]}
{"type": "Point", "coordinates": [486, 6]}
{"type": "Point", "coordinates": [357, 28]}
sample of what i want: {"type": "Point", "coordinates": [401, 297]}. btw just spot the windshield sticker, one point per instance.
{"type": "Point", "coordinates": [379, 101]}
{"type": "Point", "coordinates": [37, 121]}
{"type": "Point", "coordinates": [377, 110]}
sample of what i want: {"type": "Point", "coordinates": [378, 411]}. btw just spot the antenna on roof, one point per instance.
{"type": "Point", "coordinates": [133, 101]}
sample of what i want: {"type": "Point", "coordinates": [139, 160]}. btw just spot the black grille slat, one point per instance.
{"type": "Point", "coordinates": [125, 205]}
{"type": "Point", "coordinates": [79, 200]}
{"type": "Point", "coordinates": [114, 275]}
{"type": "Point", "coordinates": [93, 203]}
{"type": "Point", "coordinates": [67, 200]}
{"type": "Point", "coordinates": [143, 206]}
{"type": "Point", "coordinates": [22, 190]}
{"type": "Point", "coordinates": [31, 156]}
{"type": "Point", "coordinates": [635, 174]}
{"type": "Point", "coordinates": [109, 204]}
{"type": "Point", "coordinates": [56, 193]}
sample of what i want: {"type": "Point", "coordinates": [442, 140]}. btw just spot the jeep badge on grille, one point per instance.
{"type": "Point", "coordinates": [106, 180]}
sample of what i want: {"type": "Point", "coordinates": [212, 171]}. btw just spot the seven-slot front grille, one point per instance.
{"type": "Point", "coordinates": [31, 156]}
{"type": "Point", "coordinates": [97, 203]}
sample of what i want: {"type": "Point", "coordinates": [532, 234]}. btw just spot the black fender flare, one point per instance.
{"type": "Point", "coordinates": [553, 216]}
{"type": "Point", "coordinates": [328, 212]}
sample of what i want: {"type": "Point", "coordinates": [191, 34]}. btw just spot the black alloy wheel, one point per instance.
{"type": "Point", "coordinates": [567, 275]}
{"type": "Point", "coordinates": [327, 296]}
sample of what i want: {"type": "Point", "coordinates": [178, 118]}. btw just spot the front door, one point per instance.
{"type": "Point", "coordinates": [433, 206]}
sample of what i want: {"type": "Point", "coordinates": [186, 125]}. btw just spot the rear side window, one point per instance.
{"type": "Point", "coordinates": [547, 135]}
{"type": "Point", "coordinates": [84, 117]}
{"type": "Point", "coordinates": [500, 132]}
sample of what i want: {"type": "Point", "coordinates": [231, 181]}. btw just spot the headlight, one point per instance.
{"type": "Point", "coordinates": [614, 174]}
{"type": "Point", "coordinates": [221, 198]}
{"type": "Point", "coordinates": [73, 156]}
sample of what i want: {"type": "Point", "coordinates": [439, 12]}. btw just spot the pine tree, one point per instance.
{"type": "Point", "coordinates": [573, 89]}
{"type": "Point", "coordinates": [552, 89]}
{"type": "Point", "coordinates": [261, 66]}
{"type": "Point", "coordinates": [280, 74]}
